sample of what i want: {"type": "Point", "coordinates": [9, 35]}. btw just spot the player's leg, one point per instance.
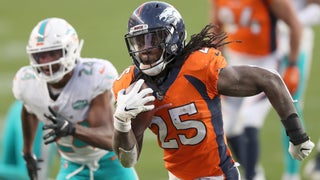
{"type": "Point", "coordinates": [253, 151]}
{"type": "Point", "coordinates": [255, 110]}
{"type": "Point", "coordinates": [233, 128]}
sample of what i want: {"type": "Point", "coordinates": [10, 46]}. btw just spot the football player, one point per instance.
{"type": "Point", "coordinates": [72, 96]}
{"type": "Point", "coordinates": [187, 80]}
{"type": "Point", "coordinates": [254, 24]}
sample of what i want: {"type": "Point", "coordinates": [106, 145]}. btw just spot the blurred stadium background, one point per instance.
{"type": "Point", "coordinates": [102, 24]}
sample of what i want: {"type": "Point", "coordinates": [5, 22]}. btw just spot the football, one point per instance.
{"type": "Point", "coordinates": [142, 120]}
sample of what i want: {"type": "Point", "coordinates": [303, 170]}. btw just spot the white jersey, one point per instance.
{"type": "Point", "coordinates": [91, 77]}
{"type": "Point", "coordinates": [308, 14]}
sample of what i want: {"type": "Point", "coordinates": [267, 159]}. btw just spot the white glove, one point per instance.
{"type": "Point", "coordinates": [301, 151]}
{"type": "Point", "coordinates": [131, 104]}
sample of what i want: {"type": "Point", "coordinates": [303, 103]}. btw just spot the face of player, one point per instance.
{"type": "Point", "coordinates": [149, 46]}
{"type": "Point", "coordinates": [150, 55]}
{"type": "Point", "coordinates": [48, 57]}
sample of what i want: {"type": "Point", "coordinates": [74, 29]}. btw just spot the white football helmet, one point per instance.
{"type": "Point", "coordinates": [54, 34]}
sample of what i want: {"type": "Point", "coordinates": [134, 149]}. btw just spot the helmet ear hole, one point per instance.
{"type": "Point", "coordinates": [65, 52]}
{"type": "Point", "coordinates": [172, 49]}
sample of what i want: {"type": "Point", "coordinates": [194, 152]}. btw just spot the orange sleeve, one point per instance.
{"type": "Point", "coordinates": [123, 81]}
{"type": "Point", "coordinates": [205, 64]}
{"type": "Point", "coordinates": [217, 62]}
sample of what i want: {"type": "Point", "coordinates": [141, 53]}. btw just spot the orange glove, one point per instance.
{"type": "Point", "coordinates": [291, 78]}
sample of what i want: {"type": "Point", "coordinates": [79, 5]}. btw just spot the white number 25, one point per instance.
{"type": "Point", "coordinates": [175, 115]}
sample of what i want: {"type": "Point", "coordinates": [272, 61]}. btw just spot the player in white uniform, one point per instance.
{"type": "Point", "coordinates": [72, 96]}
{"type": "Point", "coordinates": [308, 12]}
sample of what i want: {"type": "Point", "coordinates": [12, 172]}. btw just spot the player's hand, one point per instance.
{"type": "Point", "coordinates": [291, 78]}
{"type": "Point", "coordinates": [301, 151]}
{"type": "Point", "coordinates": [131, 103]}
{"type": "Point", "coordinates": [31, 163]}
{"type": "Point", "coordinates": [60, 127]}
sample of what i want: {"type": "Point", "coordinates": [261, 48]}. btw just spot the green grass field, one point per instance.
{"type": "Point", "coordinates": [102, 24]}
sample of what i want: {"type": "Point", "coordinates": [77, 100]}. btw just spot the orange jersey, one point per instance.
{"type": "Point", "coordinates": [188, 120]}
{"type": "Point", "coordinates": [249, 21]}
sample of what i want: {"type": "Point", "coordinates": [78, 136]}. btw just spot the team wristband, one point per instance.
{"type": "Point", "coordinates": [121, 125]}
{"type": "Point", "coordinates": [294, 129]}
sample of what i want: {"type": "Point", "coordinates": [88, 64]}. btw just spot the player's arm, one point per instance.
{"type": "Point", "coordinates": [128, 134]}
{"type": "Point", "coordinates": [29, 129]}
{"type": "Point", "coordinates": [126, 147]}
{"type": "Point", "coordinates": [289, 16]}
{"type": "Point", "coordinates": [100, 120]}
{"type": "Point", "coordinates": [250, 80]}
{"type": "Point", "coordinates": [291, 75]}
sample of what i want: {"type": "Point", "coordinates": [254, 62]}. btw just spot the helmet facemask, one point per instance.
{"type": "Point", "coordinates": [148, 48]}
{"type": "Point", "coordinates": [58, 68]}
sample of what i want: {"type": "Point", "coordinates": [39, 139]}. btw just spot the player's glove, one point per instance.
{"type": "Point", "coordinates": [31, 163]}
{"type": "Point", "coordinates": [291, 78]}
{"type": "Point", "coordinates": [300, 145]}
{"type": "Point", "coordinates": [60, 127]}
{"type": "Point", "coordinates": [301, 151]}
{"type": "Point", "coordinates": [130, 104]}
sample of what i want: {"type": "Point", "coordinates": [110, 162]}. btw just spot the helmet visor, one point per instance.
{"type": "Point", "coordinates": [147, 41]}
{"type": "Point", "coordinates": [55, 54]}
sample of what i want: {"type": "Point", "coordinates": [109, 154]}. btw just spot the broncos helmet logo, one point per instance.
{"type": "Point", "coordinates": [170, 15]}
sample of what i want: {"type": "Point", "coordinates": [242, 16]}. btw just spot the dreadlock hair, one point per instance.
{"type": "Point", "coordinates": [210, 36]}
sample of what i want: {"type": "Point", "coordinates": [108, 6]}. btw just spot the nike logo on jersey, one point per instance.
{"type": "Point", "coordinates": [102, 70]}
